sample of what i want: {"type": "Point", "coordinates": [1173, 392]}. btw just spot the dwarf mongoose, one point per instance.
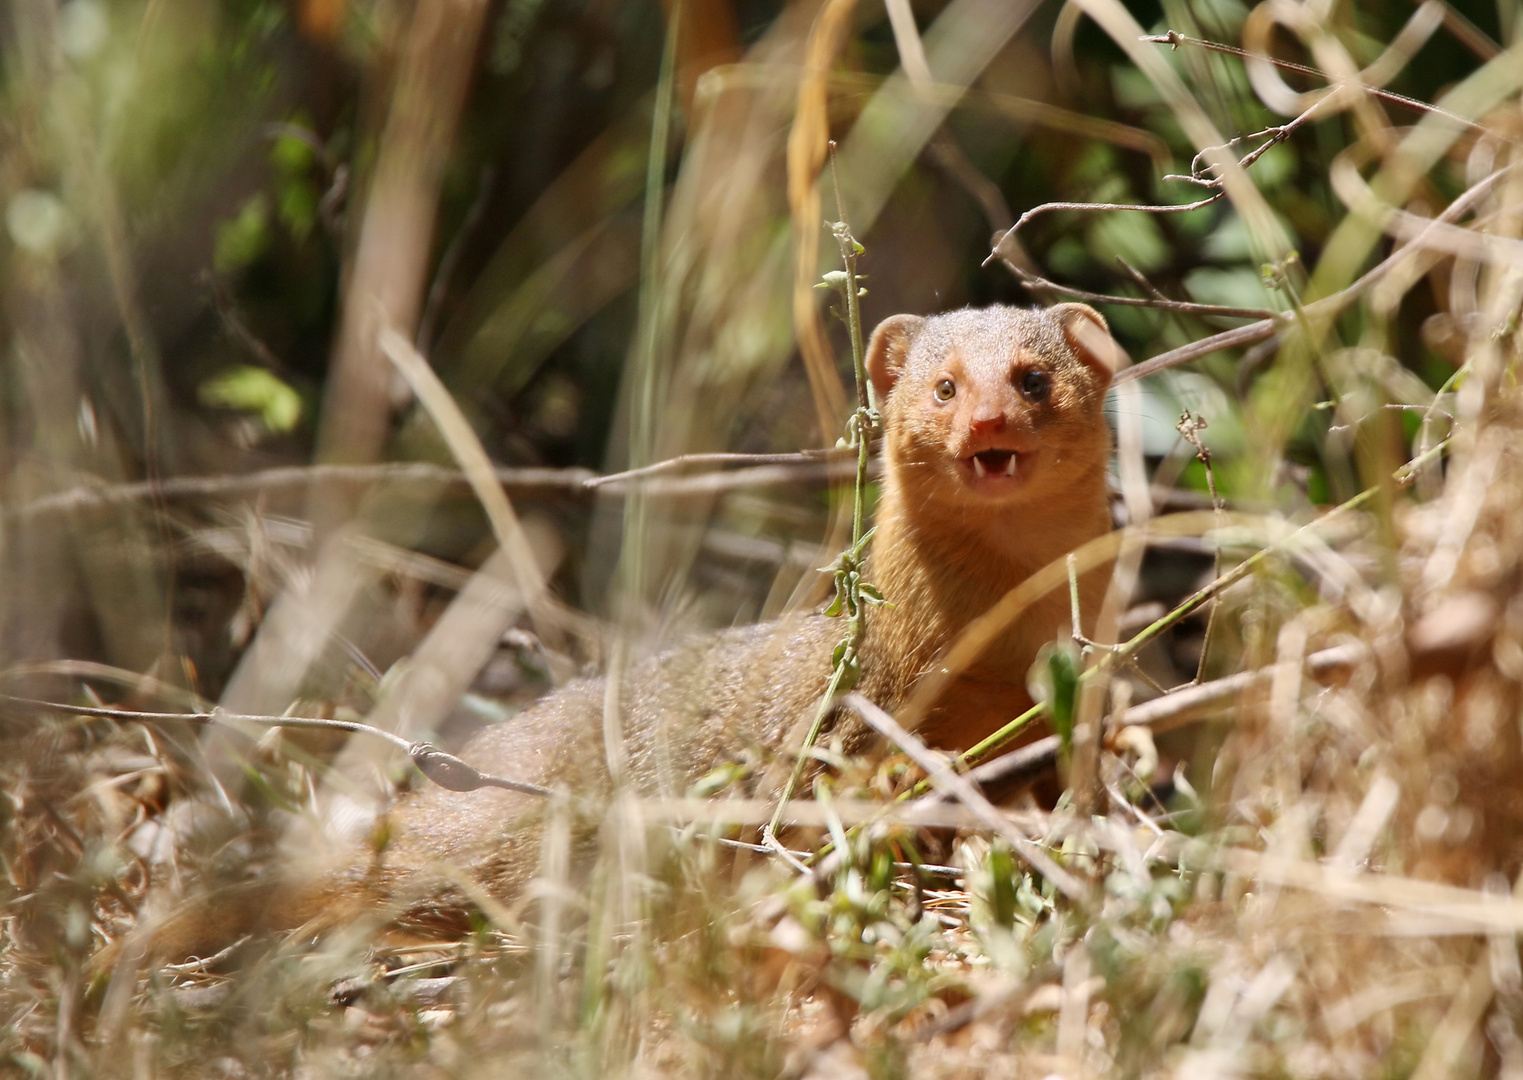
{"type": "Point", "coordinates": [996, 451]}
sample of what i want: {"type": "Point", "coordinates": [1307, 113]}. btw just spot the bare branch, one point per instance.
{"type": "Point", "coordinates": [1175, 39]}
{"type": "Point", "coordinates": [1039, 284]}
{"type": "Point", "coordinates": [758, 470]}
{"type": "Point", "coordinates": [444, 769]}
{"type": "Point", "coordinates": [1141, 208]}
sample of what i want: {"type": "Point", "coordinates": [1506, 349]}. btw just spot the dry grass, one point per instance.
{"type": "Point", "coordinates": [1316, 871]}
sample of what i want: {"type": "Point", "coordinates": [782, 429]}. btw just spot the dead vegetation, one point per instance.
{"type": "Point", "coordinates": [1290, 840]}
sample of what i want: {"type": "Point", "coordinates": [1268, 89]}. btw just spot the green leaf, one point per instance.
{"type": "Point", "coordinates": [254, 390]}
{"type": "Point", "coordinates": [292, 155]}
{"type": "Point", "coordinates": [244, 238]}
{"type": "Point", "coordinates": [298, 207]}
{"type": "Point", "coordinates": [1064, 669]}
{"type": "Point", "coordinates": [717, 780]}
{"type": "Point", "coordinates": [851, 674]}
{"type": "Point", "coordinates": [1003, 878]}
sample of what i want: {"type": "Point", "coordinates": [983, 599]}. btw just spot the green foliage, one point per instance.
{"type": "Point", "coordinates": [296, 195]}
{"type": "Point", "coordinates": [255, 390]}
{"type": "Point", "coordinates": [1063, 671]}
{"type": "Point", "coordinates": [245, 237]}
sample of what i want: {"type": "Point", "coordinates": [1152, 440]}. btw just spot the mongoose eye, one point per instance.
{"type": "Point", "coordinates": [945, 389]}
{"type": "Point", "coordinates": [1034, 384]}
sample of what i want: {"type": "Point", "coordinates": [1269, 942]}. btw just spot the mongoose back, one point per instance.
{"type": "Point", "coordinates": [995, 458]}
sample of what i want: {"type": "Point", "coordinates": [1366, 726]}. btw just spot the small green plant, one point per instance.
{"type": "Point", "coordinates": [854, 593]}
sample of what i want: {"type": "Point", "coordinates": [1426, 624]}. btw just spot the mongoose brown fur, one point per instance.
{"type": "Point", "coordinates": [996, 450]}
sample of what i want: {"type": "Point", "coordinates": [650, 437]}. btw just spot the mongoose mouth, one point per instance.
{"type": "Point", "coordinates": [994, 469]}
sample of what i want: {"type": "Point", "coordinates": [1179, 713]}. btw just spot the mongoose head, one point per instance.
{"type": "Point", "coordinates": [996, 406]}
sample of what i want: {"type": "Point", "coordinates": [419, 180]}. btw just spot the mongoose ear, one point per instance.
{"type": "Point", "coordinates": [888, 350]}
{"type": "Point", "coordinates": [1090, 337]}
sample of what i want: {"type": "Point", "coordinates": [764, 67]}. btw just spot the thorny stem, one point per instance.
{"type": "Point", "coordinates": [853, 592]}
{"type": "Point", "coordinates": [850, 249]}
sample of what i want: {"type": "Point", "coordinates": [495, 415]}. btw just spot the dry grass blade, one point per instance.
{"type": "Point", "coordinates": [477, 466]}
{"type": "Point", "coordinates": [943, 776]}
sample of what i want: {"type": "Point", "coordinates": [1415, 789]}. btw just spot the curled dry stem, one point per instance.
{"type": "Point", "coordinates": [1329, 306]}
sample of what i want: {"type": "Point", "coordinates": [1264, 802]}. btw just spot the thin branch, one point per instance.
{"type": "Point", "coordinates": [1175, 39]}
{"type": "Point", "coordinates": [1037, 283]}
{"type": "Point", "coordinates": [1272, 137]}
{"type": "Point", "coordinates": [1189, 428]}
{"type": "Point", "coordinates": [809, 466]}
{"type": "Point", "coordinates": [237, 327]}
{"type": "Point", "coordinates": [1147, 286]}
{"type": "Point", "coordinates": [1227, 339]}
{"type": "Point", "coordinates": [906, 868]}
{"type": "Point", "coordinates": [294, 476]}
{"type": "Point", "coordinates": [688, 461]}
{"type": "Point", "coordinates": [1052, 207]}
{"type": "Point", "coordinates": [444, 769]}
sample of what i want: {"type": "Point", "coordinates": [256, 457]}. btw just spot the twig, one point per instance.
{"type": "Point", "coordinates": [934, 869]}
{"type": "Point", "coordinates": [444, 769]}
{"type": "Point", "coordinates": [1052, 207]}
{"type": "Point", "coordinates": [687, 461]}
{"type": "Point", "coordinates": [1271, 136]}
{"type": "Point", "coordinates": [1037, 283]}
{"type": "Point", "coordinates": [1175, 39]}
{"type": "Point", "coordinates": [807, 466]}
{"type": "Point", "coordinates": [1227, 339]}
{"type": "Point", "coordinates": [201, 963]}
{"type": "Point", "coordinates": [1148, 287]}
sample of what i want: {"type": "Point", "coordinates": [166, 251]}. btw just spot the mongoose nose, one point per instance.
{"type": "Point", "coordinates": [984, 423]}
